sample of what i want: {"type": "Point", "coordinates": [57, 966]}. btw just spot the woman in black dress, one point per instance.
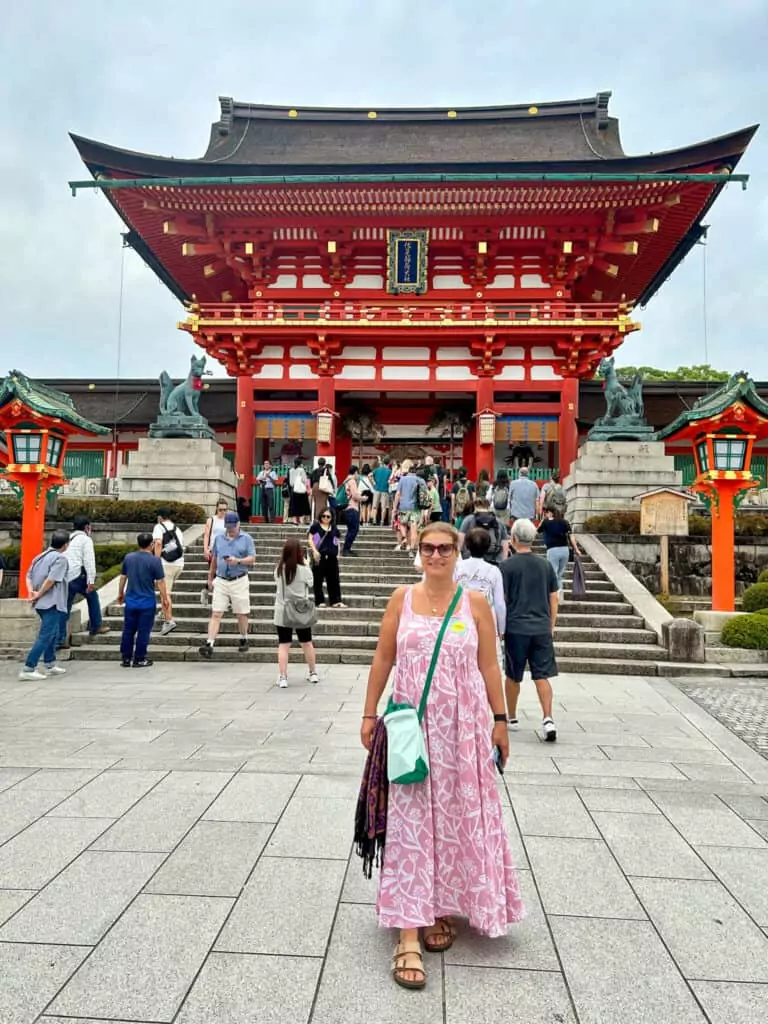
{"type": "Point", "coordinates": [323, 542]}
{"type": "Point", "coordinates": [298, 481]}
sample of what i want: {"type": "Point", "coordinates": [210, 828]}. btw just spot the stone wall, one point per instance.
{"type": "Point", "coordinates": [690, 562]}
{"type": "Point", "coordinates": [102, 533]}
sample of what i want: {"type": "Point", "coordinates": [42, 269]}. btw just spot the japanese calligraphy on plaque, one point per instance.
{"type": "Point", "coordinates": [407, 262]}
{"type": "Point", "coordinates": [664, 513]}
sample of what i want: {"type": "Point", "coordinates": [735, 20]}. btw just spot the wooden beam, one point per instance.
{"type": "Point", "coordinates": [616, 248]}
{"type": "Point", "coordinates": [637, 227]}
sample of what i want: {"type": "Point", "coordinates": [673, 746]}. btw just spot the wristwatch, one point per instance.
{"type": "Point", "coordinates": [500, 718]}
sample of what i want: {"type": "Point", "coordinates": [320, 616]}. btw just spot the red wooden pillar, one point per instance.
{"type": "Point", "coordinates": [246, 427]}
{"type": "Point", "coordinates": [569, 431]}
{"type": "Point", "coordinates": [32, 528]}
{"type": "Point", "coordinates": [723, 555]}
{"type": "Point", "coordinates": [483, 453]}
{"type": "Point", "coordinates": [326, 398]}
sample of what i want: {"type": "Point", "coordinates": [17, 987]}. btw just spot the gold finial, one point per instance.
{"type": "Point", "coordinates": [533, 110]}
{"type": "Point", "coordinates": [451, 113]}
{"type": "Point", "coordinates": [293, 113]}
{"type": "Point", "coordinates": [372, 114]}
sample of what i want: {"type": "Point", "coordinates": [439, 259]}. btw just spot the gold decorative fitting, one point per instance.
{"type": "Point", "coordinates": [482, 248]}
{"type": "Point", "coordinates": [91, 387]}
{"type": "Point", "coordinates": [533, 110]}
{"type": "Point", "coordinates": [372, 114]}
{"type": "Point", "coordinates": [567, 247]}
{"type": "Point", "coordinates": [479, 295]}
{"type": "Point", "coordinates": [331, 246]}
{"type": "Point", "coordinates": [293, 113]}
{"type": "Point", "coordinates": [259, 294]}
{"type": "Point", "coordinates": [336, 295]}
{"type": "Point", "coordinates": [451, 113]}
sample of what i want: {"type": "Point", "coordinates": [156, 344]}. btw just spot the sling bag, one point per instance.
{"type": "Point", "coordinates": [407, 760]}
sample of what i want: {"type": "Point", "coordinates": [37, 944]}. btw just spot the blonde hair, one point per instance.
{"type": "Point", "coordinates": [406, 466]}
{"type": "Point", "coordinates": [441, 527]}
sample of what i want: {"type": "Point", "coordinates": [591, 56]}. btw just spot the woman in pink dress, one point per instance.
{"type": "Point", "coordinates": [447, 853]}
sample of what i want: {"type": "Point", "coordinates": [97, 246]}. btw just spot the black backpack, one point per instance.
{"type": "Point", "coordinates": [501, 498]}
{"type": "Point", "coordinates": [488, 521]}
{"type": "Point", "coordinates": [171, 549]}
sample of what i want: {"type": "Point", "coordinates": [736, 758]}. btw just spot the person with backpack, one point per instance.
{"type": "Point", "coordinates": [523, 497]}
{"type": "Point", "coordinates": [484, 519]}
{"type": "Point", "coordinates": [552, 498]}
{"type": "Point", "coordinates": [348, 503]}
{"type": "Point", "coordinates": [406, 506]}
{"type": "Point", "coordinates": [294, 610]}
{"type": "Point", "coordinates": [462, 493]}
{"type": "Point", "coordinates": [168, 546]}
{"type": "Point", "coordinates": [499, 497]}
{"type": "Point", "coordinates": [477, 573]}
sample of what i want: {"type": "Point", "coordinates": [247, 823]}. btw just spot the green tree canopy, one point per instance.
{"type": "Point", "coordinates": [650, 373]}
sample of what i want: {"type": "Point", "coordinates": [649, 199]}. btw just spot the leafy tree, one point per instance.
{"type": "Point", "coordinates": [703, 372]}
{"type": "Point", "coordinates": [450, 422]}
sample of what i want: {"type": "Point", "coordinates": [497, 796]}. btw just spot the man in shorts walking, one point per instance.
{"type": "Point", "coordinates": [530, 592]}
{"type": "Point", "coordinates": [232, 555]}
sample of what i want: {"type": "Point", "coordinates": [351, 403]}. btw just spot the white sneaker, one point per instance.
{"type": "Point", "coordinates": [32, 675]}
{"type": "Point", "coordinates": [55, 670]}
{"type": "Point", "coordinates": [549, 730]}
{"type": "Point", "coordinates": [313, 677]}
{"type": "Point", "coordinates": [282, 682]}
{"type": "Point", "coordinates": [513, 724]}
{"type": "Point", "coordinates": [168, 627]}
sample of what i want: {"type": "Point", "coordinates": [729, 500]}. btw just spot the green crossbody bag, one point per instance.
{"type": "Point", "coordinates": [407, 760]}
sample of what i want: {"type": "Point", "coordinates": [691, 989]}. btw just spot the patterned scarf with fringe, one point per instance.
{"type": "Point", "coordinates": [371, 813]}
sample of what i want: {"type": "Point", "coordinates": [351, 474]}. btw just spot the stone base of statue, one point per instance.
{"type": "Point", "coordinates": [639, 431]}
{"type": "Point", "coordinates": [172, 425]}
{"type": "Point", "coordinates": [608, 475]}
{"type": "Point", "coordinates": [178, 469]}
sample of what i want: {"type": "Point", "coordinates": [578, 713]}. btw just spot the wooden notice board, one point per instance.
{"type": "Point", "coordinates": [664, 514]}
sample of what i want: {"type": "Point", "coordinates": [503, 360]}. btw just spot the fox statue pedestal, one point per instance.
{"type": "Point", "coordinates": [608, 475]}
{"type": "Point", "coordinates": [178, 469]}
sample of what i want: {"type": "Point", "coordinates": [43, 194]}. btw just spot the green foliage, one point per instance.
{"type": "Point", "coordinates": [108, 510]}
{"type": "Point", "coordinates": [11, 557]}
{"type": "Point", "coordinates": [763, 577]}
{"type": "Point", "coordinates": [107, 555]}
{"type": "Point", "coordinates": [755, 598]}
{"type": "Point", "coordinates": [108, 574]}
{"type": "Point", "coordinates": [628, 524]}
{"type": "Point", "coordinates": [702, 372]}
{"type": "Point", "coordinates": [749, 632]}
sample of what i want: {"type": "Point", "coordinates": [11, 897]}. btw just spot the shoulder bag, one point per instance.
{"type": "Point", "coordinates": [298, 612]}
{"type": "Point", "coordinates": [407, 760]}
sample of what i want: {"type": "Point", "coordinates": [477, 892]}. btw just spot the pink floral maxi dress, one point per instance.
{"type": "Point", "coordinates": [447, 851]}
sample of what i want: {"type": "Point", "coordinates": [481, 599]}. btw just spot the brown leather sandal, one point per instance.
{"type": "Point", "coordinates": [439, 936]}
{"type": "Point", "coordinates": [407, 958]}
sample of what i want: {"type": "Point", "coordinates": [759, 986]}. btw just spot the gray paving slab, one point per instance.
{"type": "Point", "coordinates": [365, 991]}
{"type": "Point", "coordinates": [747, 806]}
{"type": "Point", "coordinates": [254, 797]}
{"type": "Point", "coordinates": [481, 996]}
{"type": "Point", "coordinates": [12, 899]}
{"type": "Point", "coordinates": [647, 844]}
{"type": "Point", "coordinates": [18, 810]}
{"type": "Point", "coordinates": [713, 773]}
{"type": "Point", "coordinates": [528, 944]}
{"type": "Point", "coordinates": [744, 872]}
{"type": "Point", "coordinates": [682, 756]}
{"type": "Point", "coordinates": [705, 929]}
{"type": "Point", "coordinates": [627, 801]}
{"type": "Point", "coordinates": [196, 781]}
{"type": "Point", "coordinates": [109, 795]}
{"type": "Point", "coordinates": [553, 812]}
{"type": "Point", "coordinates": [10, 776]}
{"type": "Point", "coordinates": [315, 827]}
{"type": "Point", "coordinates": [214, 859]}
{"type": "Point", "coordinates": [31, 975]}
{"type": "Point", "coordinates": [540, 780]}
{"type": "Point", "coordinates": [357, 888]}
{"type": "Point", "coordinates": [619, 971]}
{"type": "Point", "coordinates": [286, 908]}
{"type": "Point", "coordinates": [142, 969]}
{"type": "Point", "coordinates": [59, 779]}
{"type": "Point", "coordinates": [620, 769]}
{"type": "Point", "coordinates": [761, 827]}
{"type": "Point", "coordinates": [33, 857]}
{"type": "Point", "coordinates": [706, 821]}
{"type": "Point", "coordinates": [581, 878]}
{"type": "Point", "coordinates": [244, 989]}
{"type": "Point", "coordinates": [155, 824]}
{"type": "Point", "coordinates": [728, 1003]}
{"type": "Point", "coordinates": [519, 856]}
{"type": "Point", "coordinates": [78, 906]}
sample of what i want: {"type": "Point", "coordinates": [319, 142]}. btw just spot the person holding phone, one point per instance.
{"type": "Point", "coordinates": [447, 832]}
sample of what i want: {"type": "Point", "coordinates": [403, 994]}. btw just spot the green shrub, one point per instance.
{"type": "Point", "coordinates": [747, 631]}
{"type": "Point", "coordinates": [763, 577]}
{"type": "Point", "coordinates": [108, 574]}
{"type": "Point", "coordinates": [751, 525]}
{"type": "Point", "coordinates": [11, 557]}
{"type": "Point", "coordinates": [699, 526]}
{"type": "Point", "coordinates": [108, 555]}
{"type": "Point", "coordinates": [10, 509]}
{"type": "Point", "coordinates": [755, 597]}
{"type": "Point", "coordinates": [107, 510]}
{"type": "Point", "coordinates": [614, 522]}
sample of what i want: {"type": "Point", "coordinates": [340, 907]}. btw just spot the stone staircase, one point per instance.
{"type": "Point", "coordinates": [597, 633]}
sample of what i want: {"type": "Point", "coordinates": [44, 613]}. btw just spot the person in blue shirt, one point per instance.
{"type": "Point", "coordinates": [232, 555]}
{"type": "Point", "coordinates": [406, 504]}
{"type": "Point", "coordinates": [381, 477]}
{"type": "Point", "coordinates": [140, 574]}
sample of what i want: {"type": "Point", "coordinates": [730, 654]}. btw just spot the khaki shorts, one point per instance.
{"type": "Point", "coordinates": [172, 572]}
{"type": "Point", "coordinates": [380, 498]}
{"type": "Point", "coordinates": [234, 594]}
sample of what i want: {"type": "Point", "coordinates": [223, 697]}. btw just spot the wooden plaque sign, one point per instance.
{"type": "Point", "coordinates": [664, 513]}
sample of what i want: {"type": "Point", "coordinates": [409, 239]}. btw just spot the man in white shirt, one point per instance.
{"type": "Point", "coordinates": [81, 580]}
{"type": "Point", "coordinates": [168, 545]}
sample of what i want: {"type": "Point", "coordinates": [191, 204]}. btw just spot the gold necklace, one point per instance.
{"type": "Point", "coordinates": [434, 609]}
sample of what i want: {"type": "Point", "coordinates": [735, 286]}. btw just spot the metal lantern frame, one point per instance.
{"type": "Point", "coordinates": [723, 451]}
{"type": "Point", "coordinates": [486, 426]}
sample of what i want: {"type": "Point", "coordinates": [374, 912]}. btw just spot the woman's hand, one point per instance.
{"type": "Point", "coordinates": [366, 732]}
{"type": "Point", "coordinates": [316, 557]}
{"type": "Point", "coordinates": [500, 739]}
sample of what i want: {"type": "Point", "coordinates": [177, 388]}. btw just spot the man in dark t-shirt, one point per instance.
{"type": "Point", "coordinates": [141, 572]}
{"type": "Point", "coordinates": [530, 591]}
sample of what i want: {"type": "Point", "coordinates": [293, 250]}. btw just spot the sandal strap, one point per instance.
{"type": "Point", "coordinates": [407, 949]}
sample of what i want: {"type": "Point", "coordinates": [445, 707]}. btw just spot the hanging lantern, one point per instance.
{"type": "Point", "coordinates": [324, 419]}
{"type": "Point", "coordinates": [486, 421]}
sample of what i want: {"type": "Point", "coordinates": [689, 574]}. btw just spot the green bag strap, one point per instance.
{"type": "Point", "coordinates": [436, 653]}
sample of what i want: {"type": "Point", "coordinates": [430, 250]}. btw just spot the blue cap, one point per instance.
{"type": "Point", "coordinates": [230, 518]}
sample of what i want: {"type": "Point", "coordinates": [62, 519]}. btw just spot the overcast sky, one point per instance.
{"type": "Point", "coordinates": [146, 75]}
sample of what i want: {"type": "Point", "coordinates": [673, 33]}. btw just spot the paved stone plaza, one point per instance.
{"type": "Point", "coordinates": [175, 847]}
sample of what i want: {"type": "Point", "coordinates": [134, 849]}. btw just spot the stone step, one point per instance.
{"type": "Point", "coordinates": [359, 566]}
{"type": "Point", "coordinates": [331, 628]}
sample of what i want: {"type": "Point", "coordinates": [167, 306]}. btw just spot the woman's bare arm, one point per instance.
{"type": "Point", "coordinates": [386, 652]}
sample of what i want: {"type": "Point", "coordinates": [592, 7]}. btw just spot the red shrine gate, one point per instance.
{"type": "Point", "coordinates": [406, 261]}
